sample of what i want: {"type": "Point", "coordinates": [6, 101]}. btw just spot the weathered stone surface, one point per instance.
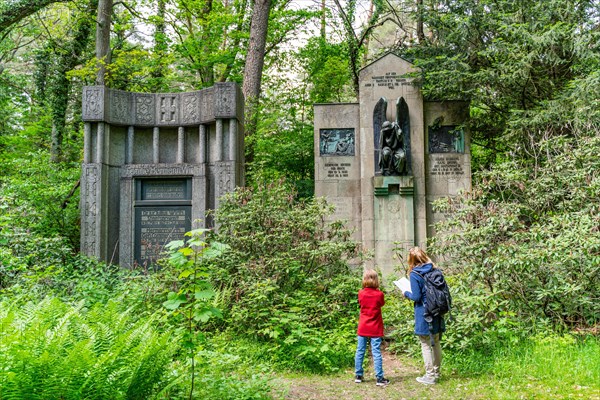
{"type": "Point", "coordinates": [391, 208]}
{"type": "Point", "coordinates": [117, 107]}
{"type": "Point", "coordinates": [138, 148]}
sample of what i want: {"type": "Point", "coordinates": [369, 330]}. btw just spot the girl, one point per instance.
{"type": "Point", "coordinates": [370, 326]}
{"type": "Point", "coordinates": [419, 264]}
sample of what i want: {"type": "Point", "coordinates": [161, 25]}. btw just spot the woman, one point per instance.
{"type": "Point", "coordinates": [420, 264]}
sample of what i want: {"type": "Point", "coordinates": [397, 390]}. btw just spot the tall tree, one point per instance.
{"type": "Point", "coordinates": [255, 60]}
{"type": "Point", "coordinates": [105, 9]}
{"type": "Point", "coordinates": [357, 38]}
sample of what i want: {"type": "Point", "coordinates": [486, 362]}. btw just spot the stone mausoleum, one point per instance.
{"type": "Point", "coordinates": [384, 160]}
{"type": "Point", "coordinates": [153, 164]}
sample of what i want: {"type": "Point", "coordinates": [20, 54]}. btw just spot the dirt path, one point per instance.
{"type": "Point", "coordinates": [400, 372]}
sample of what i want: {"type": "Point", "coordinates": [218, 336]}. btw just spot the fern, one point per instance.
{"type": "Point", "coordinates": [52, 350]}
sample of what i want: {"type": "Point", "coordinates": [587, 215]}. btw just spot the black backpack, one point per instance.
{"type": "Point", "coordinates": [438, 300]}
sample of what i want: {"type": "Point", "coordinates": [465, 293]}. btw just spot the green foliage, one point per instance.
{"type": "Point", "coordinates": [545, 366]}
{"type": "Point", "coordinates": [225, 376]}
{"type": "Point", "coordinates": [53, 350]}
{"type": "Point", "coordinates": [507, 62]}
{"type": "Point", "coordinates": [36, 198]}
{"type": "Point", "coordinates": [528, 236]}
{"type": "Point", "coordinates": [191, 301]}
{"type": "Point", "coordinates": [285, 278]}
{"type": "Point", "coordinates": [327, 71]}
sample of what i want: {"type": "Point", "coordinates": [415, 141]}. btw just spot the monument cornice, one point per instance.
{"type": "Point", "coordinates": [224, 100]}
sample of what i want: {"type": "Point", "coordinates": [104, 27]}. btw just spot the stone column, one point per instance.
{"type": "Point", "coordinates": [180, 144]}
{"type": "Point", "coordinates": [100, 142]}
{"type": "Point", "coordinates": [202, 144]}
{"type": "Point", "coordinates": [232, 139]}
{"type": "Point", "coordinates": [130, 143]}
{"type": "Point", "coordinates": [156, 145]}
{"type": "Point", "coordinates": [219, 139]}
{"type": "Point", "coordinates": [87, 142]}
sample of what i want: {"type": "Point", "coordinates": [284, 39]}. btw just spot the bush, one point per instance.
{"type": "Point", "coordinates": [524, 243]}
{"type": "Point", "coordinates": [285, 277]}
{"type": "Point", "coordinates": [41, 198]}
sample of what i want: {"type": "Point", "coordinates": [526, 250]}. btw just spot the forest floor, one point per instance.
{"type": "Point", "coordinates": [402, 372]}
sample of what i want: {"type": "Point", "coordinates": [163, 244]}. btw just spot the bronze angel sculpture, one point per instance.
{"type": "Point", "coordinates": [392, 139]}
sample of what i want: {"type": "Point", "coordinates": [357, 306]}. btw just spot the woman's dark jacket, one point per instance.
{"type": "Point", "coordinates": [417, 294]}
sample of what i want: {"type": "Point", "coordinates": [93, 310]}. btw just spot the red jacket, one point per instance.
{"type": "Point", "coordinates": [370, 323]}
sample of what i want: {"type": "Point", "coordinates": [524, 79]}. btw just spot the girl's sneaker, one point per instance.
{"type": "Point", "coordinates": [358, 379]}
{"type": "Point", "coordinates": [382, 382]}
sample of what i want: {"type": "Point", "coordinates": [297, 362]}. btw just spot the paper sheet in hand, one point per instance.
{"type": "Point", "coordinates": [403, 284]}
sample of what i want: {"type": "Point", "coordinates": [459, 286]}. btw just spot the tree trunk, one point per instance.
{"type": "Point", "coordinates": [207, 72]}
{"type": "Point", "coordinates": [323, 20]}
{"type": "Point", "coordinates": [366, 43]}
{"type": "Point", "coordinates": [255, 61]}
{"type": "Point", "coordinates": [160, 47]}
{"type": "Point", "coordinates": [105, 8]}
{"type": "Point", "coordinates": [20, 9]}
{"type": "Point", "coordinates": [420, 32]}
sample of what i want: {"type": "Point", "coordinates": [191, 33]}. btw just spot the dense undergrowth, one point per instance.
{"type": "Point", "coordinates": [273, 291]}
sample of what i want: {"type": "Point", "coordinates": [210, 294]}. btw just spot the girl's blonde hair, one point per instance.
{"type": "Point", "coordinates": [416, 256]}
{"type": "Point", "coordinates": [370, 279]}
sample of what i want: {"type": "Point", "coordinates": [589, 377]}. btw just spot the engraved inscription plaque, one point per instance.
{"type": "Point", "coordinates": [157, 226]}
{"type": "Point", "coordinates": [163, 212]}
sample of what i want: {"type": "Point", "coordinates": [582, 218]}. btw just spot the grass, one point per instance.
{"type": "Point", "coordinates": [541, 368]}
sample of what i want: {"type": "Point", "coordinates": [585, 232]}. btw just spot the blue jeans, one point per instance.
{"type": "Point", "coordinates": [361, 348]}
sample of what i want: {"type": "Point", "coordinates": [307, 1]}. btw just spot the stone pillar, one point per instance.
{"type": "Point", "coordinates": [156, 145]}
{"type": "Point", "coordinates": [202, 144]}
{"type": "Point", "coordinates": [219, 139]}
{"type": "Point", "coordinates": [130, 144]}
{"type": "Point", "coordinates": [102, 127]}
{"type": "Point", "coordinates": [180, 144]}
{"type": "Point", "coordinates": [232, 140]}
{"type": "Point", "coordinates": [87, 142]}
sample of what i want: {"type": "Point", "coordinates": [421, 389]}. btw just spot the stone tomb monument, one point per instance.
{"type": "Point", "coordinates": [153, 164]}
{"type": "Point", "coordinates": [384, 160]}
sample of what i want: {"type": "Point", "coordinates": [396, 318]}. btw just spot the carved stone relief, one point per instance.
{"type": "Point", "coordinates": [168, 109]}
{"type": "Point", "coordinates": [120, 108]}
{"type": "Point", "coordinates": [190, 110]}
{"type": "Point", "coordinates": [144, 109]}
{"type": "Point", "coordinates": [225, 102]}
{"type": "Point", "coordinates": [93, 103]}
{"type": "Point", "coordinates": [225, 179]}
{"type": "Point", "coordinates": [90, 198]}
{"type": "Point", "coordinates": [207, 111]}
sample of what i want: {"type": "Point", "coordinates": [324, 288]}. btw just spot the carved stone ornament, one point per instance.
{"type": "Point", "coordinates": [224, 100]}
{"type": "Point", "coordinates": [120, 107]}
{"type": "Point", "coordinates": [168, 109]}
{"type": "Point", "coordinates": [190, 109]}
{"type": "Point", "coordinates": [144, 109]}
{"type": "Point", "coordinates": [93, 103]}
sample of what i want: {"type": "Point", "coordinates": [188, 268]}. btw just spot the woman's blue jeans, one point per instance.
{"type": "Point", "coordinates": [361, 349]}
